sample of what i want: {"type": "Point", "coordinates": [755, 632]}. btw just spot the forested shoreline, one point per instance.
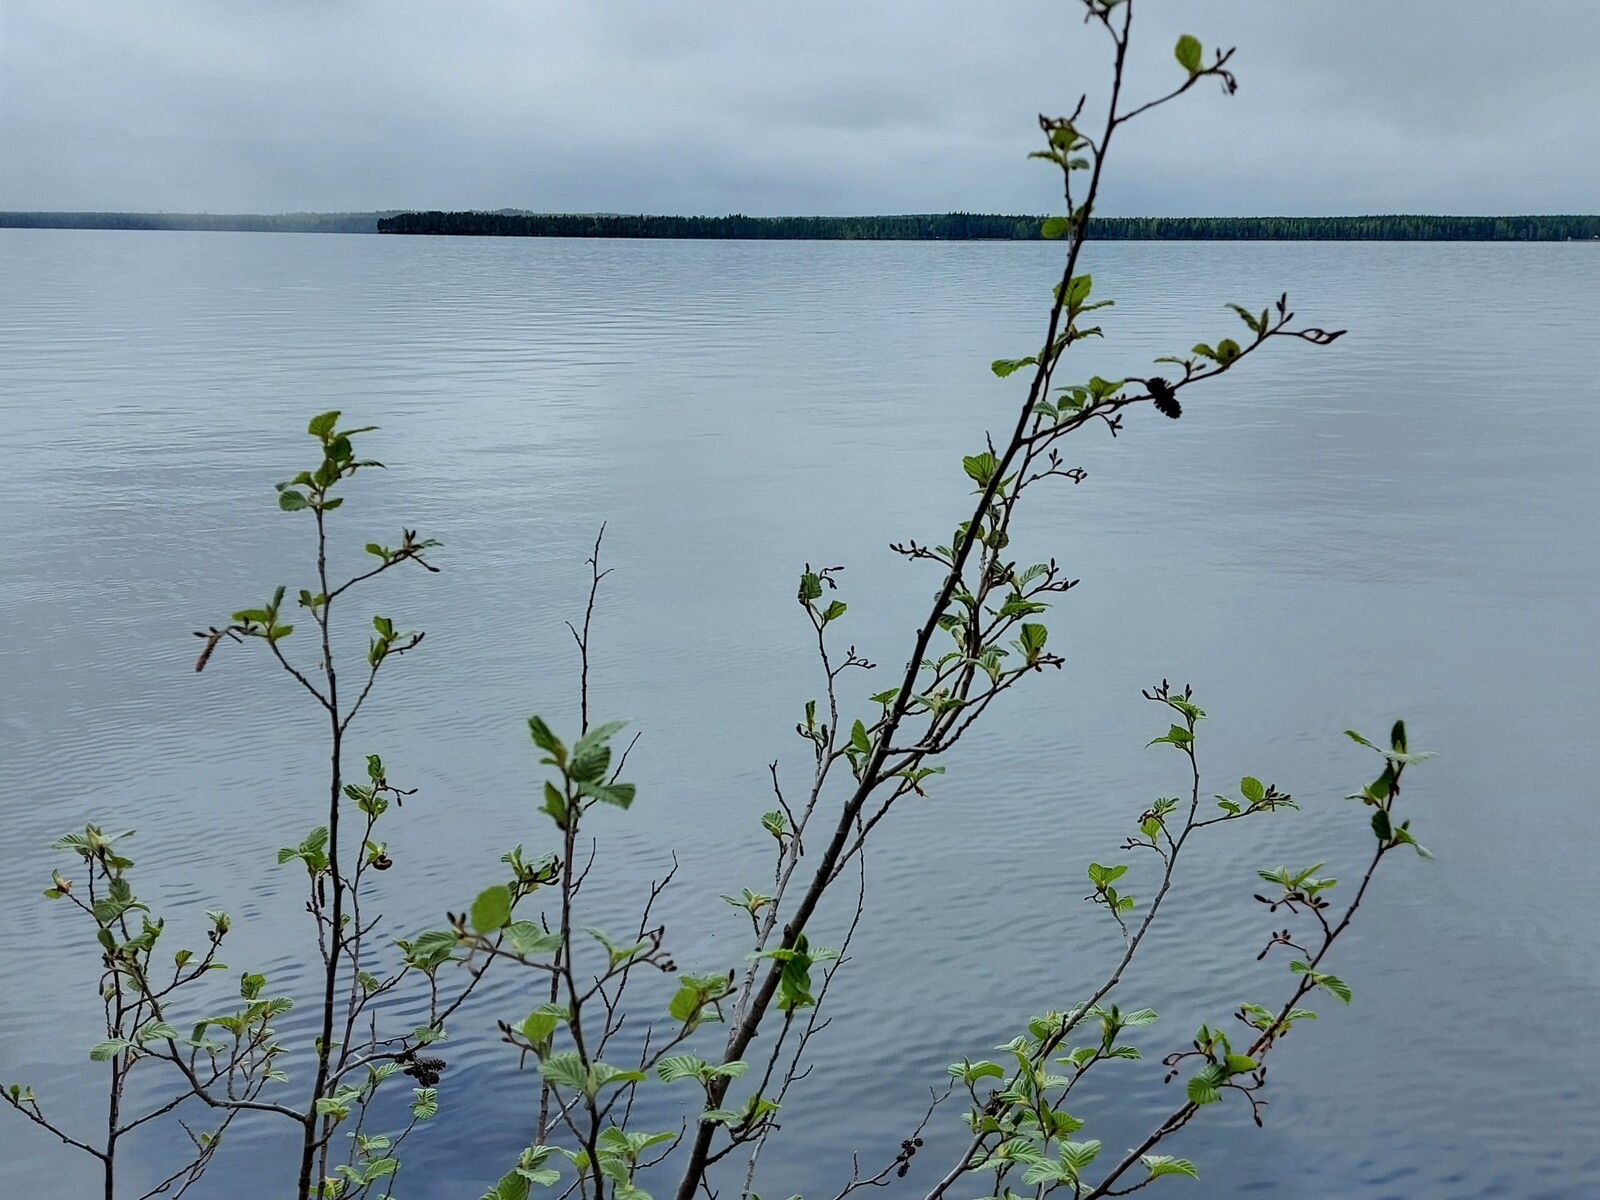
{"type": "Point", "coordinates": [912, 227]}
{"type": "Point", "coordinates": [982, 226]}
{"type": "Point", "coordinates": [350, 222]}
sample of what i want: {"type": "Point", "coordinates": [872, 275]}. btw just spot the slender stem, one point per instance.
{"type": "Point", "coordinates": [311, 1142]}
{"type": "Point", "coordinates": [744, 1031]}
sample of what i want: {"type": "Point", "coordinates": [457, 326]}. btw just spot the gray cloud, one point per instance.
{"type": "Point", "coordinates": [836, 106]}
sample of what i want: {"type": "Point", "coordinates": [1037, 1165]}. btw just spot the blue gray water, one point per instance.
{"type": "Point", "coordinates": [1401, 525]}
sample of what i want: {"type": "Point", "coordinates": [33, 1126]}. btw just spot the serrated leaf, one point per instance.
{"type": "Point", "coordinates": [1165, 1164]}
{"type": "Point", "coordinates": [682, 1066]}
{"type": "Point", "coordinates": [539, 1024]}
{"type": "Point", "coordinates": [565, 1070]}
{"type": "Point", "coordinates": [107, 1050]}
{"type": "Point", "coordinates": [1205, 1086]}
{"type": "Point", "coordinates": [544, 738]}
{"type": "Point", "coordinates": [980, 467]}
{"type": "Point", "coordinates": [1079, 1155]}
{"type": "Point", "coordinates": [426, 1103]}
{"type": "Point", "coordinates": [529, 938]}
{"type": "Point", "coordinates": [1337, 986]}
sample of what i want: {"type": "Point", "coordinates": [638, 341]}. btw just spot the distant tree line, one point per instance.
{"type": "Point", "coordinates": [363, 222]}
{"type": "Point", "coordinates": [974, 226]}
{"type": "Point", "coordinates": [913, 227]}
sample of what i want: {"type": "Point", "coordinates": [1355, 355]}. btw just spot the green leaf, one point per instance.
{"type": "Point", "coordinates": [492, 909]}
{"type": "Point", "coordinates": [589, 762]}
{"type": "Point", "coordinates": [810, 587]}
{"type": "Point", "coordinates": [1100, 875]}
{"type": "Point", "coordinates": [1247, 317]}
{"type": "Point", "coordinates": [1188, 52]}
{"type": "Point", "coordinates": [1252, 789]}
{"type": "Point", "coordinates": [291, 501]}
{"type": "Point", "coordinates": [1010, 366]}
{"type": "Point", "coordinates": [323, 424]}
{"type": "Point", "coordinates": [1404, 836]}
{"type": "Point", "coordinates": [1204, 1087]}
{"type": "Point", "coordinates": [980, 467]}
{"type": "Point", "coordinates": [538, 1025]}
{"type": "Point", "coordinates": [602, 1073]}
{"type": "Point", "coordinates": [431, 948]}
{"type": "Point", "coordinates": [565, 1069]}
{"type": "Point", "coordinates": [1079, 1155]}
{"type": "Point", "coordinates": [599, 735]}
{"type": "Point", "coordinates": [682, 1066]}
{"type": "Point", "coordinates": [1337, 986]}
{"type": "Point", "coordinates": [1078, 290]}
{"type": "Point", "coordinates": [1381, 825]}
{"type": "Point", "coordinates": [1165, 1164]}
{"type": "Point", "coordinates": [971, 1072]}
{"type": "Point", "coordinates": [619, 794]}
{"type": "Point", "coordinates": [530, 939]}
{"type": "Point", "coordinates": [1054, 227]}
{"type": "Point", "coordinates": [1033, 639]}
{"type": "Point", "coordinates": [512, 1186]}
{"type": "Point", "coordinates": [545, 739]}
{"type": "Point", "coordinates": [555, 804]}
{"type": "Point", "coordinates": [107, 1050]}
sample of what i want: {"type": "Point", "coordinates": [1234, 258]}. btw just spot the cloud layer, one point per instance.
{"type": "Point", "coordinates": [833, 107]}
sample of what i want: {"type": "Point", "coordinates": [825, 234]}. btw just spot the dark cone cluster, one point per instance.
{"type": "Point", "coordinates": [1166, 403]}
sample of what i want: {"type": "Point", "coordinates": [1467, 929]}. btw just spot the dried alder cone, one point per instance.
{"type": "Point", "coordinates": [1161, 392]}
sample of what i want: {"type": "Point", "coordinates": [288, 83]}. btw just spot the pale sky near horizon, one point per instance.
{"type": "Point", "coordinates": [832, 106]}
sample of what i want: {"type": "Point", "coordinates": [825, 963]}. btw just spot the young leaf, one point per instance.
{"type": "Point", "coordinates": [1187, 52]}
{"type": "Point", "coordinates": [492, 909]}
{"type": "Point", "coordinates": [1165, 1164]}
{"type": "Point", "coordinates": [565, 1069]}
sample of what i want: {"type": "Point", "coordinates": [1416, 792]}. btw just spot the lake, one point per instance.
{"type": "Point", "coordinates": [1403, 524]}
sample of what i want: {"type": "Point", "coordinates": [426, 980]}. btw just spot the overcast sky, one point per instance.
{"type": "Point", "coordinates": [806, 106]}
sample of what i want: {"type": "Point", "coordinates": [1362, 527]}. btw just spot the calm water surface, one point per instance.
{"type": "Point", "coordinates": [1403, 524]}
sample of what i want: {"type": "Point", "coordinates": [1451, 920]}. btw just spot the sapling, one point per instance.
{"type": "Point", "coordinates": [722, 1046]}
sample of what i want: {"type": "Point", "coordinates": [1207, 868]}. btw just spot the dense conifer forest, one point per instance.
{"type": "Point", "coordinates": [970, 226]}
